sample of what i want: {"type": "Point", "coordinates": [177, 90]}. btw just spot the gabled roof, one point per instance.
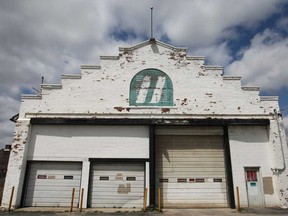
{"type": "Point", "coordinates": [152, 41]}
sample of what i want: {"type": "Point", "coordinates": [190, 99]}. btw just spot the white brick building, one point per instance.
{"type": "Point", "coordinates": [151, 117]}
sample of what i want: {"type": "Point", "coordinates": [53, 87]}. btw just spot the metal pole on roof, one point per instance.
{"type": "Point", "coordinates": [151, 22]}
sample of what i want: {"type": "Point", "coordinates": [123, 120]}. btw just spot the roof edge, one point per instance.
{"type": "Point", "coordinates": [152, 41]}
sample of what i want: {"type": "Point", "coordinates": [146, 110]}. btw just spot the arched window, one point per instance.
{"type": "Point", "coordinates": [151, 87]}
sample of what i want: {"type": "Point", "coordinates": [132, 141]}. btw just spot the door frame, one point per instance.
{"type": "Point", "coordinates": [259, 178]}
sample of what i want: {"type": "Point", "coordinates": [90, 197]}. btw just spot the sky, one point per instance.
{"type": "Point", "coordinates": [48, 38]}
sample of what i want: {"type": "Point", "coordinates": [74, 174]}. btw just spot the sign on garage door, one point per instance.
{"type": "Point", "coordinates": [190, 170]}
{"type": "Point", "coordinates": [51, 184]}
{"type": "Point", "coordinates": [117, 185]}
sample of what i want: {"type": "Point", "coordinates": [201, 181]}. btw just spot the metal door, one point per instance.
{"type": "Point", "coordinates": [190, 170]}
{"type": "Point", "coordinates": [117, 185]}
{"type": "Point", "coordinates": [253, 184]}
{"type": "Point", "coordinates": [51, 184]}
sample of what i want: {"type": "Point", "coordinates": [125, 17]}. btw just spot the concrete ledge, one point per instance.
{"type": "Point", "coordinates": [250, 88]}
{"type": "Point", "coordinates": [109, 57]}
{"type": "Point", "coordinates": [51, 86]}
{"type": "Point", "coordinates": [90, 67]}
{"type": "Point", "coordinates": [269, 98]}
{"type": "Point", "coordinates": [213, 67]}
{"type": "Point", "coordinates": [71, 76]}
{"type": "Point", "coordinates": [231, 78]}
{"type": "Point", "coordinates": [194, 58]}
{"type": "Point", "coordinates": [32, 96]}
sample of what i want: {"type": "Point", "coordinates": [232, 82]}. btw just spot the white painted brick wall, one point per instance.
{"type": "Point", "coordinates": [99, 91]}
{"type": "Point", "coordinates": [251, 146]}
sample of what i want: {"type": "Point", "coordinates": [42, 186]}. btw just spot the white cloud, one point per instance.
{"type": "Point", "coordinates": [205, 22]}
{"type": "Point", "coordinates": [216, 54]}
{"type": "Point", "coordinates": [264, 63]}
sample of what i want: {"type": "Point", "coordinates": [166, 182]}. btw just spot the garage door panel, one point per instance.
{"type": "Point", "coordinates": [44, 202]}
{"type": "Point", "coordinates": [60, 183]}
{"type": "Point", "coordinates": [53, 187]}
{"type": "Point", "coordinates": [51, 184]}
{"type": "Point", "coordinates": [120, 198]}
{"type": "Point", "coordinates": [209, 194]}
{"type": "Point", "coordinates": [112, 189]}
{"type": "Point", "coordinates": [188, 186]}
{"type": "Point", "coordinates": [190, 170]}
{"type": "Point", "coordinates": [116, 203]}
{"type": "Point", "coordinates": [58, 177]}
{"type": "Point", "coordinates": [116, 175]}
{"type": "Point", "coordinates": [189, 174]}
{"type": "Point", "coordinates": [51, 194]}
{"type": "Point", "coordinates": [117, 185]}
{"type": "Point", "coordinates": [64, 171]}
{"type": "Point", "coordinates": [118, 167]}
{"type": "Point", "coordinates": [198, 196]}
{"type": "Point", "coordinates": [191, 156]}
{"type": "Point", "coordinates": [195, 164]}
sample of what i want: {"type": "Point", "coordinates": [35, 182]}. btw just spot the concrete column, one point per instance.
{"type": "Point", "coordinates": [85, 182]}
{"type": "Point", "coordinates": [17, 164]}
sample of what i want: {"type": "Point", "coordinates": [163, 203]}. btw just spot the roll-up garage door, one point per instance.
{"type": "Point", "coordinates": [51, 184]}
{"type": "Point", "coordinates": [190, 167]}
{"type": "Point", "coordinates": [117, 185]}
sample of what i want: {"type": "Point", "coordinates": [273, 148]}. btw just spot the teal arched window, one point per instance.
{"type": "Point", "coordinates": [151, 87]}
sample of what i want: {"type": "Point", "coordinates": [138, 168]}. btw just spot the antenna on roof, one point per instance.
{"type": "Point", "coordinates": [151, 36]}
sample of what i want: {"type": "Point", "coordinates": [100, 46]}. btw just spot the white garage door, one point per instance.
{"type": "Point", "coordinates": [51, 184]}
{"type": "Point", "coordinates": [117, 185]}
{"type": "Point", "coordinates": [190, 170]}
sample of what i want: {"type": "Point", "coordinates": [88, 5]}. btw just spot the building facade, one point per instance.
{"type": "Point", "coordinates": [151, 117]}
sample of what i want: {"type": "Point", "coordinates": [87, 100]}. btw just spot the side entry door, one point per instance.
{"type": "Point", "coordinates": [254, 190]}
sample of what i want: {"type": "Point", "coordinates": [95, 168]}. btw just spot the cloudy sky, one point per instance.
{"type": "Point", "coordinates": [52, 37]}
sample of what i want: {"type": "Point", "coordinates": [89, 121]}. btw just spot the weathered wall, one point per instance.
{"type": "Point", "coordinates": [199, 90]}
{"type": "Point", "coordinates": [249, 147]}
{"type": "Point", "coordinates": [253, 146]}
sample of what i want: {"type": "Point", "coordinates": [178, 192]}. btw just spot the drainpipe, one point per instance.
{"type": "Point", "coordinates": [278, 169]}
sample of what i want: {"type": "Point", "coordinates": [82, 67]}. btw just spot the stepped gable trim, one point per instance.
{"type": "Point", "coordinates": [90, 67]}
{"type": "Point", "coordinates": [231, 78]}
{"type": "Point", "coordinates": [269, 98]}
{"type": "Point", "coordinates": [109, 57]}
{"type": "Point", "coordinates": [152, 41]}
{"type": "Point", "coordinates": [51, 86]}
{"type": "Point", "coordinates": [71, 76]}
{"type": "Point", "coordinates": [213, 67]}
{"type": "Point", "coordinates": [195, 58]}
{"type": "Point", "coordinates": [30, 96]}
{"type": "Point", "coordinates": [250, 88]}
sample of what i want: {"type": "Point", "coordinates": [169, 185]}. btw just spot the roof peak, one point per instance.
{"type": "Point", "coordinates": [152, 41]}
